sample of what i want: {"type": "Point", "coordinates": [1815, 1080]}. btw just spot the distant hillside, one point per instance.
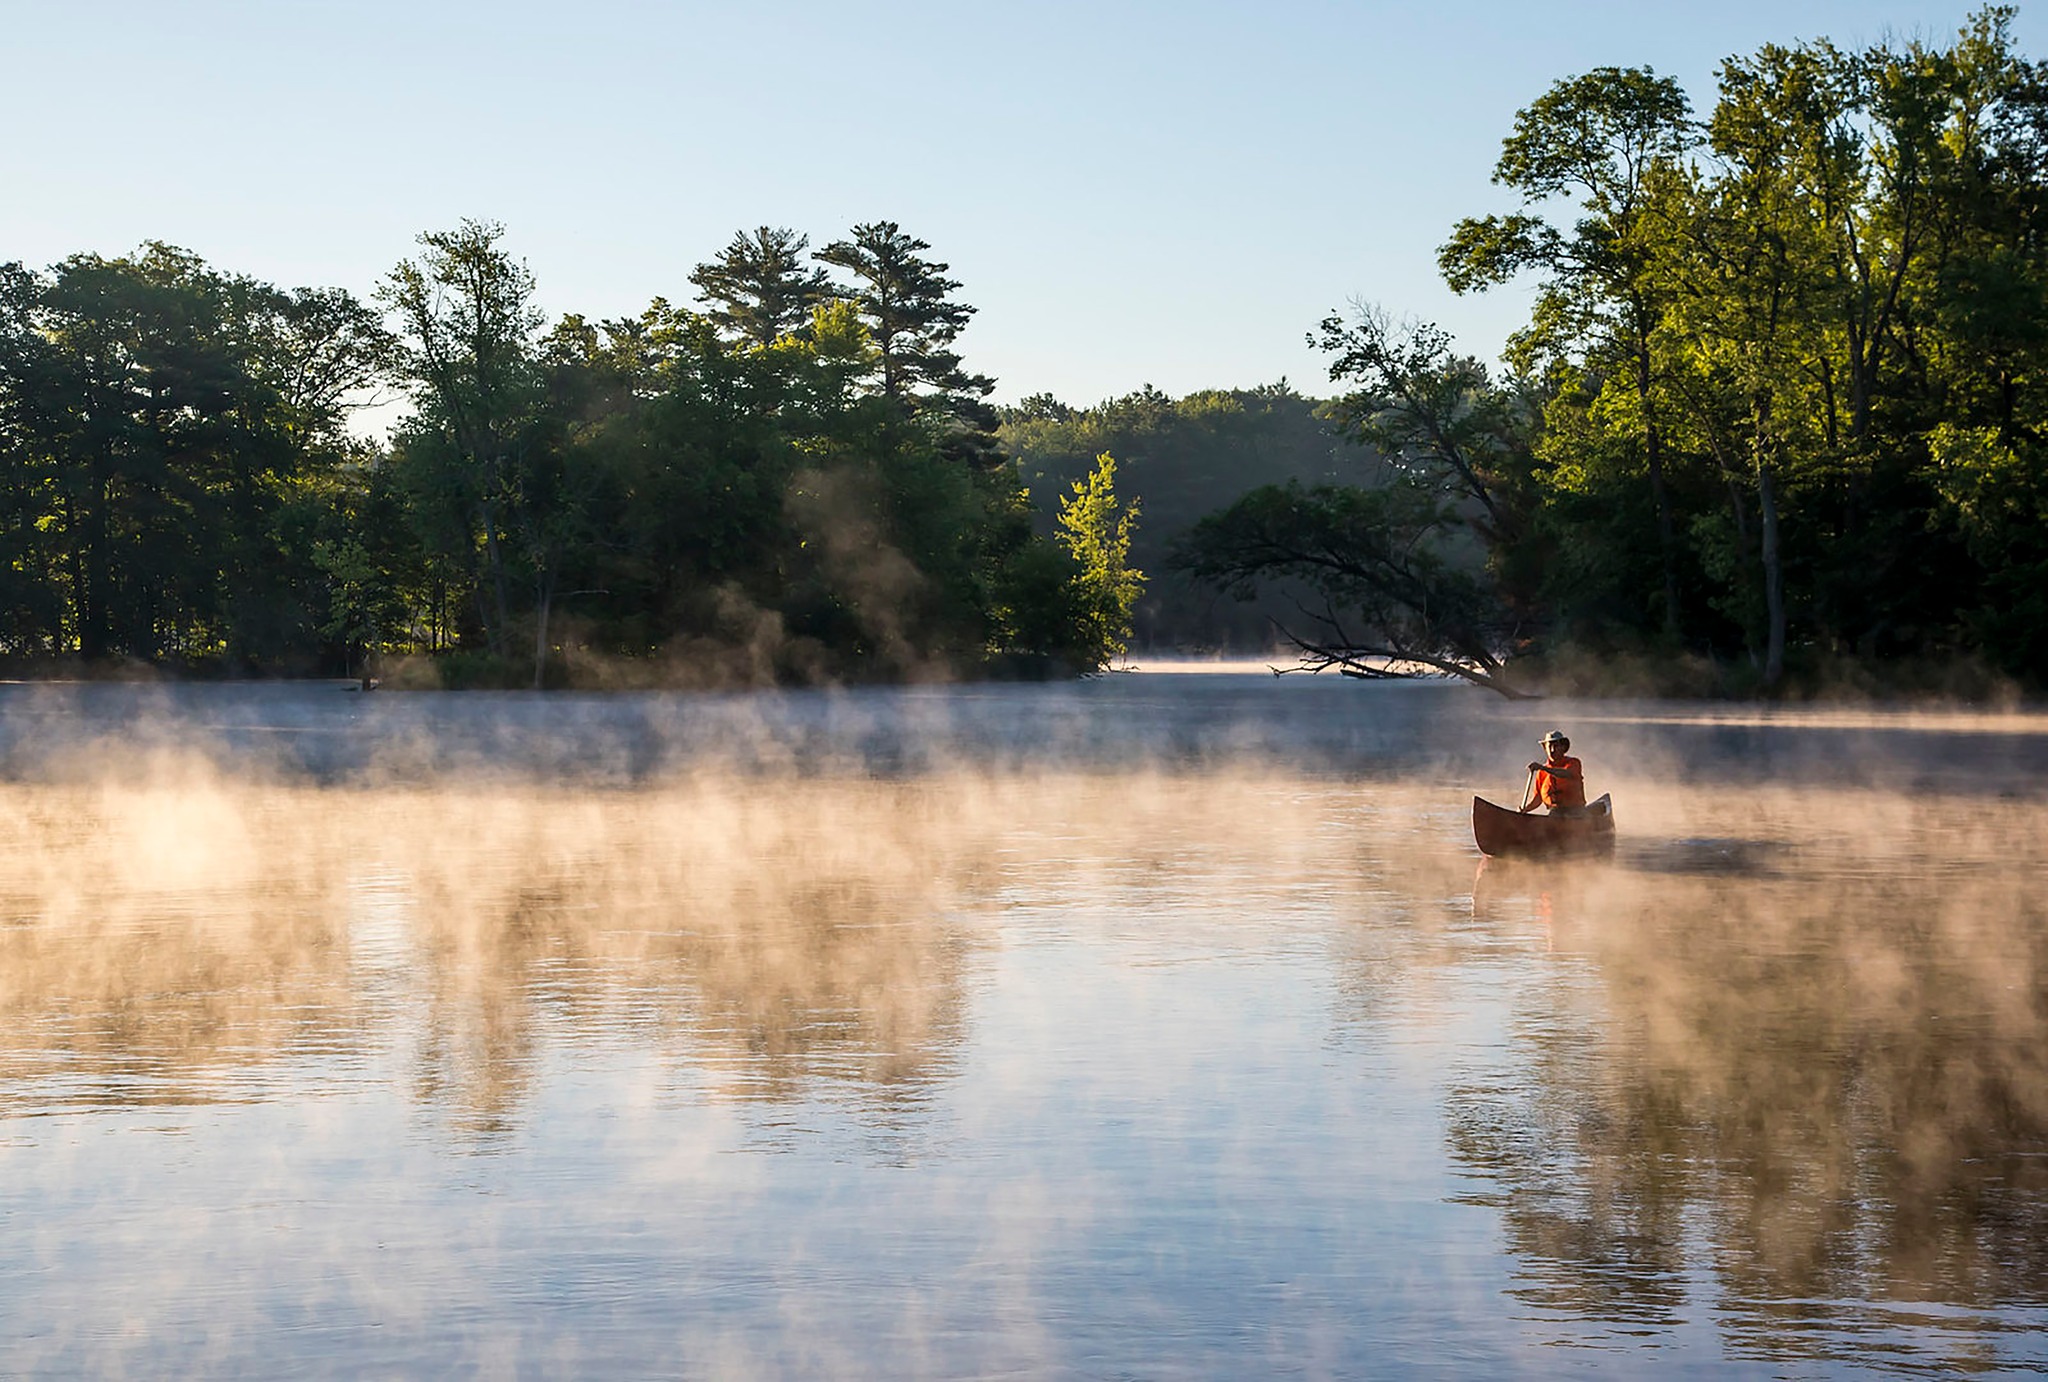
{"type": "Point", "coordinates": [1182, 459]}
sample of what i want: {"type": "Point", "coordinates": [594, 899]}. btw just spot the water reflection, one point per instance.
{"type": "Point", "coordinates": [173, 943]}
{"type": "Point", "coordinates": [1062, 1070]}
{"type": "Point", "coordinates": [1779, 1091]}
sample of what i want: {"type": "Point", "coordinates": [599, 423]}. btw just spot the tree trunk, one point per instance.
{"type": "Point", "coordinates": [1859, 384]}
{"type": "Point", "coordinates": [1666, 541]}
{"type": "Point", "coordinates": [1653, 456]}
{"type": "Point", "coordinates": [544, 600]}
{"type": "Point", "coordinates": [1774, 574]}
{"type": "Point", "coordinates": [494, 561]}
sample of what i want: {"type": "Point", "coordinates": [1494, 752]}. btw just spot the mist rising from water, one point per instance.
{"type": "Point", "coordinates": [1790, 1037]}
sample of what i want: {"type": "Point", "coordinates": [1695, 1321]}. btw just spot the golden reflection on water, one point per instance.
{"type": "Point", "coordinates": [1789, 1043]}
{"type": "Point", "coordinates": [1813, 1031]}
{"type": "Point", "coordinates": [158, 941]}
{"type": "Point", "coordinates": [184, 932]}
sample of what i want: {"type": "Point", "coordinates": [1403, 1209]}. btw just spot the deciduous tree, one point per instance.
{"type": "Point", "coordinates": [1609, 139]}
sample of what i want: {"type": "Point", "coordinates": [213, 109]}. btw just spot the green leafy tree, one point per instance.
{"type": "Point", "coordinates": [1823, 326]}
{"type": "Point", "coordinates": [1610, 139]}
{"type": "Point", "coordinates": [1436, 418]}
{"type": "Point", "coordinates": [178, 484]}
{"type": "Point", "coordinates": [1402, 572]}
{"type": "Point", "coordinates": [1752, 287]}
{"type": "Point", "coordinates": [1095, 528]}
{"type": "Point", "coordinates": [171, 435]}
{"type": "Point", "coordinates": [468, 328]}
{"type": "Point", "coordinates": [34, 562]}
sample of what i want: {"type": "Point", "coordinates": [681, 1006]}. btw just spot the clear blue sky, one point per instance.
{"type": "Point", "coordinates": [1130, 192]}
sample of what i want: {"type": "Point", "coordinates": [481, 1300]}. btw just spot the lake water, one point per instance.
{"type": "Point", "coordinates": [1153, 1026]}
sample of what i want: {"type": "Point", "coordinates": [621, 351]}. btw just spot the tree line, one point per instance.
{"type": "Point", "coordinates": [1777, 412]}
{"type": "Point", "coordinates": [799, 481]}
{"type": "Point", "coordinates": [1779, 406]}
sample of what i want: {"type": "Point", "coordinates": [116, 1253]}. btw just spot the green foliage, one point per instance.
{"type": "Point", "coordinates": [1418, 568]}
{"type": "Point", "coordinates": [479, 456]}
{"type": "Point", "coordinates": [1182, 459]}
{"type": "Point", "coordinates": [1610, 139]}
{"type": "Point", "coordinates": [794, 487]}
{"type": "Point", "coordinates": [1594, 137]}
{"type": "Point", "coordinates": [1434, 417]}
{"type": "Point", "coordinates": [1781, 397]}
{"type": "Point", "coordinates": [908, 305]}
{"type": "Point", "coordinates": [1789, 357]}
{"type": "Point", "coordinates": [1996, 487]}
{"type": "Point", "coordinates": [1095, 528]}
{"type": "Point", "coordinates": [168, 439]}
{"type": "Point", "coordinates": [759, 289]}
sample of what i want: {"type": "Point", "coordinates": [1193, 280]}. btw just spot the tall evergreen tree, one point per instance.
{"type": "Point", "coordinates": [758, 288]}
{"type": "Point", "coordinates": [906, 300]}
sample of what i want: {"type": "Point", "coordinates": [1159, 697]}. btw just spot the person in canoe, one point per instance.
{"type": "Point", "coordinates": [1558, 783]}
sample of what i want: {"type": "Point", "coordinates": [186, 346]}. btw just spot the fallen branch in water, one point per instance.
{"type": "Point", "coordinates": [1381, 556]}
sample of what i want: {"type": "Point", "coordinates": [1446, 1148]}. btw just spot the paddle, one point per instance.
{"type": "Point", "coordinates": [1528, 788]}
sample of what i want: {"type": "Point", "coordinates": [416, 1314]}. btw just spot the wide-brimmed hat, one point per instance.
{"type": "Point", "coordinates": [1556, 736]}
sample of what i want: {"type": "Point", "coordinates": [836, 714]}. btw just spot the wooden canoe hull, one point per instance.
{"type": "Point", "coordinates": [1500, 831]}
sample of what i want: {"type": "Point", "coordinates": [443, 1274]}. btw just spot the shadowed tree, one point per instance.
{"type": "Point", "coordinates": [759, 289]}
{"type": "Point", "coordinates": [465, 309]}
{"type": "Point", "coordinates": [324, 353]}
{"type": "Point", "coordinates": [906, 301]}
{"type": "Point", "coordinates": [173, 437]}
{"type": "Point", "coordinates": [1430, 413]}
{"type": "Point", "coordinates": [1384, 587]}
{"type": "Point", "coordinates": [33, 586]}
{"type": "Point", "coordinates": [1395, 572]}
{"type": "Point", "coordinates": [1185, 458]}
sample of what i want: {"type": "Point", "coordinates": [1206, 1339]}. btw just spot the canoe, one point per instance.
{"type": "Point", "coordinates": [1501, 831]}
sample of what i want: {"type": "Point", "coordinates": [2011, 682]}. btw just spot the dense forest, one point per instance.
{"type": "Point", "coordinates": [800, 482]}
{"type": "Point", "coordinates": [1776, 418]}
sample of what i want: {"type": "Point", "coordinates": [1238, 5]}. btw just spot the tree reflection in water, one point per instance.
{"type": "Point", "coordinates": [185, 939]}
{"type": "Point", "coordinates": [173, 943]}
{"type": "Point", "coordinates": [1815, 1079]}
{"type": "Point", "coordinates": [1776, 1072]}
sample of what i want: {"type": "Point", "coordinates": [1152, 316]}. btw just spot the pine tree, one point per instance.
{"type": "Point", "coordinates": [904, 299]}
{"type": "Point", "coordinates": [758, 289]}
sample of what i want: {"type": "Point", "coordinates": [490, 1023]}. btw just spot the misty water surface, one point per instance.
{"type": "Point", "coordinates": [1152, 1026]}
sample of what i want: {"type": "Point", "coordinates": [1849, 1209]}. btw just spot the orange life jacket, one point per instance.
{"type": "Point", "coordinates": [1561, 784]}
